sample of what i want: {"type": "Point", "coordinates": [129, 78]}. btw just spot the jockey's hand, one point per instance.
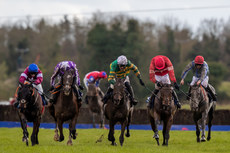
{"type": "Point", "coordinates": [176, 86]}
{"type": "Point", "coordinates": [158, 84]}
{"type": "Point", "coordinates": [81, 87]}
{"type": "Point", "coordinates": [51, 88]}
{"type": "Point", "coordinates": [141, 82]}
{"type": "Point", "coordinates": [198, 82]}
{"type": "Point", "coordinates": [182, 82]}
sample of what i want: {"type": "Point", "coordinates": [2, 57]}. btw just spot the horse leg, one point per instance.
{"type": "Point", "coordinates": [111, 133]}
{"type": "Point", "coordinates": [203, 124]}
{"type": "Point", "coordinates": [56, 136]}
{"type": "Point", "coordinates": [93, 117]}
{"type": "Point", "coordinates": [164, 132]}
{"type": "Point", "coordinates": [24, 128]}
{"type": "Point", "coordinates": [210, 117]}
{"type": "Point", "coordinates": [154, 128]}
{"type": "Point", "coordinates": [33, 137]}
{"type": "Point", "coordinates": [69, 142]}
{"type": "Point", "coordinates": [102, 120]}
{"type": "Point", "coordinates": [197, 128]}
{"type": "Point", "coordinates": [128, 123]}
{"type": "Point", "coordinates": [167, 126]}
{"type": "Point", "coordinates": [60, 123]}
{"type": "Point", "coordinates": [121, 138]}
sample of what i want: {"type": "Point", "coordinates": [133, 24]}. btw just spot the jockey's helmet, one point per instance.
{"type": "Point", "coordinates": [91, 79]}
{"type": "Point", "coordinates": [199, 60]}
{"type": "Point", "coordinates": [122, 60]}
{"type": "Point", "coordinates": [159, 63]}
{"type": "Point", "coordinates": [33, 68]}
{"type": "Point", "coordinates": [103, 74]}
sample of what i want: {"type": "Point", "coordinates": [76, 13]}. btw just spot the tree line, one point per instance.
{"type": "Point", "coordinates": [94, 43]}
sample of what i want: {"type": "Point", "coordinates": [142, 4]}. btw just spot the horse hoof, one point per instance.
{"type": "Point", "coordinates": [127, 135]}
{"type": "Point", "coordinates": [208, 138]}
{"type": "Point", "coordinates": [61, 139]}
{"type": "Point", "coordinates": [56, 138]}
{"type": "Point", "coordinates": [166, 145]}
{"type": "Point", "coordinates": [69, 143]}
{"type": "Point", "coordinates": [157, 139]}
{"type": "Point", "coordinates": [198, 140]}
{"type": "Point", "coordinates": [203, 140]}
{"type": "Point", "coordinates": [114, 144]}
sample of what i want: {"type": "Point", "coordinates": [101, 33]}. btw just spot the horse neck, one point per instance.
{"type": "Point", "coordinates": [203, 98]}
{"type": "Point", "coordinates": [67, 99]}
{"type": "Point", "coordinates": [35, 98]}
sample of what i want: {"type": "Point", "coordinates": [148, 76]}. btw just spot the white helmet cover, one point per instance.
{"type": "Point", "coordinates": [122, 60]}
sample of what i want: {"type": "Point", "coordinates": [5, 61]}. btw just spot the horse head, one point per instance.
{"type": "Point", "coordinates": [67, 81]}
{"type": "Point", "coordinates": [197, 96]}
{"type": "Point", "coordinates": [92, 90]}
{"type": "Point", "coordinates": [25, 94]}
{"type": "Point", "coordinates": [166, 94]}
{"type": "Point", "coordinates": [119, 91]}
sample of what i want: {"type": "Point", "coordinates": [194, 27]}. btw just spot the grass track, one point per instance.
{"type": "Point", "coordinates": [140, 142]}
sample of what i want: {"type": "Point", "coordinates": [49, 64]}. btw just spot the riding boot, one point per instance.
{"type": "Point", "coordinates": [130, 90]}
{"type": "Point", "coordinates": [152, 99]}
{"type": "Point", "coordinates": [16, 103]}
{"type": "Point", "coordinates": [107, 95]}
{"type": "Point", "coordinates": [44, 100]}
{"type": "Point", "coordinates": [189, 93]}
{"type": "Point", "coordinates": [209, 90]}
{"type": "Point", "coordinates": [176, 100]}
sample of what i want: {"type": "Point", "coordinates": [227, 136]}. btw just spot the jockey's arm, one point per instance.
{"type": "Point", "coordinates": [134, 68]}
{"type": "Point", "coordinates": [39, 78]}
{"type": "Point", "coordinates": [53, 77]}
{"type": "Point", "coordinates": [112, 74]}
{"type": "Point", "coordinates": [152, 72]}
{"type": "Point", "coordinates": [186, 70]}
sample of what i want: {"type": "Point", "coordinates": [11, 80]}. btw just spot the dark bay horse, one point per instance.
{"type": "Point", "coordinates": [66, 108]}
{"type": "Point", "coordinates": [163, 110]}
{"type": "Point", "coordinates": [95, 103]}
{"type": "Point", "coordinates": [118, 109]}
{"type": "Point", "coordinates": [202, 109]}
{"type": "Point", "coordinates": [31, 110]}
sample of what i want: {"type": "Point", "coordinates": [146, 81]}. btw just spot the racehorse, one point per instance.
{"type": "Point", "coordinates": [202, 109]}
{"type": "Point", "coordinates": [118, 109]}
{"type": "Point", "coordinates": [65, 108]}
{"type": "Point", "coordinates": [164, 109]}
{"type": "Point", "coordinates": [31, 110]}
{"type": "Point", "coordinates": [95, 103]}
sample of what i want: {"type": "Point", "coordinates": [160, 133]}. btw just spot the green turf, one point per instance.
{"type": "Point", "coordinates": [140, 142]}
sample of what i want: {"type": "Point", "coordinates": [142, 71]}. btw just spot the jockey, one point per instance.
{"type": "Point", "coordinates": [94, 77]}
{"type": "Point", "coordinates": [58, 72]}
{"type": "Point", "coordinates": [161, 71]}
{"type": "Point", "coordinates": [120, 68]}
{"type": "Point", "coordinates": [200, 71]}
{"type": "Point", "coordinates": [34, 75]}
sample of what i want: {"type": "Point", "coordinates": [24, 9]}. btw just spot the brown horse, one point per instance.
{"type": "Point", "coordinates": [66, 108]}
{"type": "Point", "coordinates": [30, 109]}
{"type": "Point", "coordinates": [202, 109]}
{"type": "Point", "coordinates": [95, 103]}
{"type": "Point", "coordinates": [163, 110]}
{"type": "Point", "coordinates": [118, 109]}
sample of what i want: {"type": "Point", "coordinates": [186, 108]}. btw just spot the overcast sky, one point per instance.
{"type": "Point", "coordinates": [141, 9]}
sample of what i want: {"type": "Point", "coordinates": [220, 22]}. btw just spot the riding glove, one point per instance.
{"type": "Point", "coordinates": [141, 82]}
